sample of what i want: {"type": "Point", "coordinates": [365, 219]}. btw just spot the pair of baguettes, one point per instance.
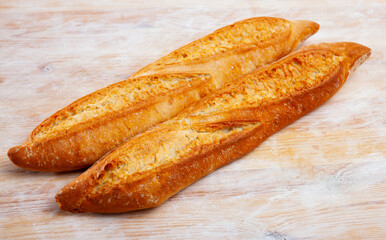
{"type": "Point", "coordinates": [154, 165]}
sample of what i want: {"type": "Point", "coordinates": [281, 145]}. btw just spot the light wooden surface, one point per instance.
{"type": "Point", "coordinates": [322, 177]}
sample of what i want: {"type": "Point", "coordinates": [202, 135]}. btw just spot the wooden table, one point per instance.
{"type": "Point", "coordinates": [322, 177]}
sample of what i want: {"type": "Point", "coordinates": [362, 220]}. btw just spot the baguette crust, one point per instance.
{"type": "Point", "coordinates": [78, 135]}
{"type": "Point", "coordinates": [153, 166]}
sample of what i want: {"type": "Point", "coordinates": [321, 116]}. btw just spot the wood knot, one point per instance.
{"type": "Point", "coordinates": [47, 68]}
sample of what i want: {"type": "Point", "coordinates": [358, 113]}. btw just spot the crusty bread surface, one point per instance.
{"type": "Point", "coordinates": [153, 166]}
{"type": "Point", "coordinates": [81, 133]}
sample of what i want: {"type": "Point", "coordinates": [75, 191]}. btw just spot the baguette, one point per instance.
{"type": "Point", "coordinates": [152, 166]}
{"type": "Point", "coordinates": [81, 133]}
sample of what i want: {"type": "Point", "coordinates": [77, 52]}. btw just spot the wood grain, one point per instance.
{"type": "Point", "coordinates": [323, 177]}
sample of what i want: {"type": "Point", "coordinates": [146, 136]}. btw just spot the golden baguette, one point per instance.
{"type": "Point", "coordinates": [78, 135]}
{"type": "Point", "coordinates": [154, 165]}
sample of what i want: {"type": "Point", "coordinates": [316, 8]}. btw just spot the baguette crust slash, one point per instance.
{"type": "Point", "coordinates": [81, 133]}
{"type": "Point", "coordinates": [153, 166]}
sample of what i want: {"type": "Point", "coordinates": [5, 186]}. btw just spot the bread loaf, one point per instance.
{"type": "Point", "coordinates": [78, 135]}
{"type": "Point", "coordinates": [152, 166]}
